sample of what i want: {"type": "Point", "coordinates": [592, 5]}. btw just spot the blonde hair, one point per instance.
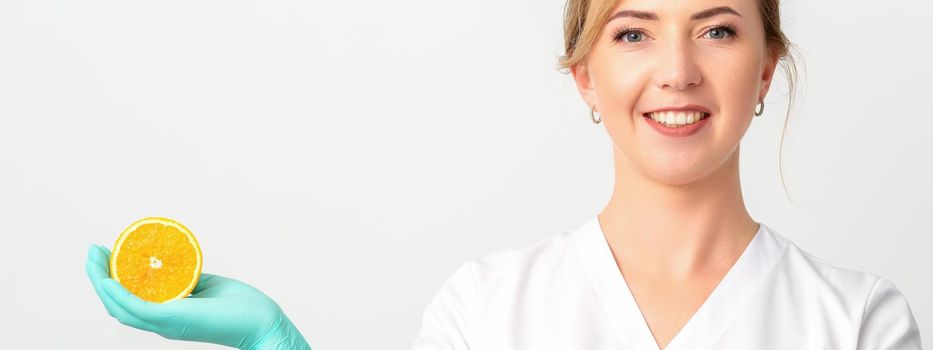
{"type": "Point", "coordinates": [584, 19]}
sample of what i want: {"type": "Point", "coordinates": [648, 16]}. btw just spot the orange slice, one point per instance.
{"type": "Point", "coordinates": [156, 259]}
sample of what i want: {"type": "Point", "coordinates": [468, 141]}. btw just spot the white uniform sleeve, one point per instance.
{"type": "Point", "coordinates": [448, 319]}
{"type": "Point", "coordinates": [888, 323]}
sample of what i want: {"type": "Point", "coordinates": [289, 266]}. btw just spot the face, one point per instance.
{"type": "Point", "coordinates": [640, 64]}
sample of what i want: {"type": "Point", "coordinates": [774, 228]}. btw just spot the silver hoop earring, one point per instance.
{"type": "Point", "coordinates": [593, 118]}
{"type": "Point", "coordinates": [762, 110]}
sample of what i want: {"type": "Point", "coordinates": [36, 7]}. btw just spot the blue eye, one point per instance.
{"type": "Point", "coordinates": [634, 35]}
{"type": "Point", "coordinates": [721, 31]}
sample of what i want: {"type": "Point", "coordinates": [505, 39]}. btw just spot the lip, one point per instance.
{"type": "Point", "coordinates": [683, 108]}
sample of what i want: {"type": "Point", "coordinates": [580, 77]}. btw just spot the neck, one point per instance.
{"type": "Point", "coordinates": [677, 231]}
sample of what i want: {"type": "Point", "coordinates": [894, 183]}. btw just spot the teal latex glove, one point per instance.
{"type": "Point", "coordinates": [220, 310]}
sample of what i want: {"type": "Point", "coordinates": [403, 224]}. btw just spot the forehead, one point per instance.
{"type": "Point", "coordinates": [681, 10]}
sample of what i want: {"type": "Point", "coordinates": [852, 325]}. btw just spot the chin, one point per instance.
{"type": "Point", "coordinates": [673, 171]}
{"type": "Point", "coordinates": [678, 179]}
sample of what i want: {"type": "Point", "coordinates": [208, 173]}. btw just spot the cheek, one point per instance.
{"type": "Point", "coordinates": [734, 80]}
{"type": "Point", "coordinates": [737, 78]}
{"type": "Point", "coordinates": [619, 86]}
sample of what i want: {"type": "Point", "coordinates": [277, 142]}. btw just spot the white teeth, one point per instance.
{"type": "Point", "coordinates": [677, 118]}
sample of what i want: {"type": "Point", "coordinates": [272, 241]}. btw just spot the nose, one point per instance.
{"type": "Point", "coordinates": [677, 67]}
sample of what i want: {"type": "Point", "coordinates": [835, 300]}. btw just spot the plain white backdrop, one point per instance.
{"type": "Point", "coordinates": [345, 157]}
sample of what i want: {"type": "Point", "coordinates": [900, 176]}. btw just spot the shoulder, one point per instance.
{"type": "Point", "coordinates": [878, 308]}
{"type": "Point", "coordinates": [804, 269]}
{"type": "Point", "coordinates": [506, 265]}
{"type": "Point", "coordinates": [515, 264]}
{"type": "Point", "coordinates": [810, 268]}
{"type": "Point", "coordinates": [822, 276]}
{"type": "Point", "coordinates": [450, 319]}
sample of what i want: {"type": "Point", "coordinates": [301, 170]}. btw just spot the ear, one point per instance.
{"type": "Point", "coordinates": [770, 65]}
{"type": "Point", "coordinates": [585, 86]}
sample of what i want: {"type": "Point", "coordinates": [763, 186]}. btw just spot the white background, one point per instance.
{"type": "Point", "coordinates": [346, 156]}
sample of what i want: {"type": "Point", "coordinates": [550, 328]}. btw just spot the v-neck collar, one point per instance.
{"type": "Point", "coordinates": [707, 323]}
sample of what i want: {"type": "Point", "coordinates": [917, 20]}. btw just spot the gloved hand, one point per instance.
{"type": "Point", "coordinates": [220, 310]}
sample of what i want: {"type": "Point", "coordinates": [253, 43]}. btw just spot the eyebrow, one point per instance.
{"type": "Point", "coordinates": [696, 16]}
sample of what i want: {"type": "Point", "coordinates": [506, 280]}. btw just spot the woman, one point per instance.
{"type": "Point", "coordinates": [674, 260]}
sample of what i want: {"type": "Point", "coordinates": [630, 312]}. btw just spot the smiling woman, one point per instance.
{"type": "Point", "coordinates": [621, 50]}
{"type": "Point", "coordinates": [674, 260]}
{"type": "Point", "coordinates": [586, 22]}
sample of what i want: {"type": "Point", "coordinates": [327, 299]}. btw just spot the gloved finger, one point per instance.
{"type": "Point", "coordinates": [106, 252]}
{"type": "Point", "coordinates": [101, 270]}
{"type": "Point", "coordinates": [144, 310]}
{"type": "Point", "coordinates": [99, 255]}
{"type": "Point", "coordinates": [96, 274]}
{"type": "Point", "coordinates": [122, 315]}
{"type": "Point", "coordinates": [96, 269]}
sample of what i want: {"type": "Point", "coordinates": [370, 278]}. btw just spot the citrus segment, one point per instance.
{"type": "Point", "coordinates": [157, 259]}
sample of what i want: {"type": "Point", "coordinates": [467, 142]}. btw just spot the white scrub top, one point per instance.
{"type": "Point", "coordinates": [566, 292]}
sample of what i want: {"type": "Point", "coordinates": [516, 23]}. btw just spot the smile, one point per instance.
{"type": "Point", "coordinates": [677, 123]}
{"type": "Point", "coordinates": [676, 119]}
